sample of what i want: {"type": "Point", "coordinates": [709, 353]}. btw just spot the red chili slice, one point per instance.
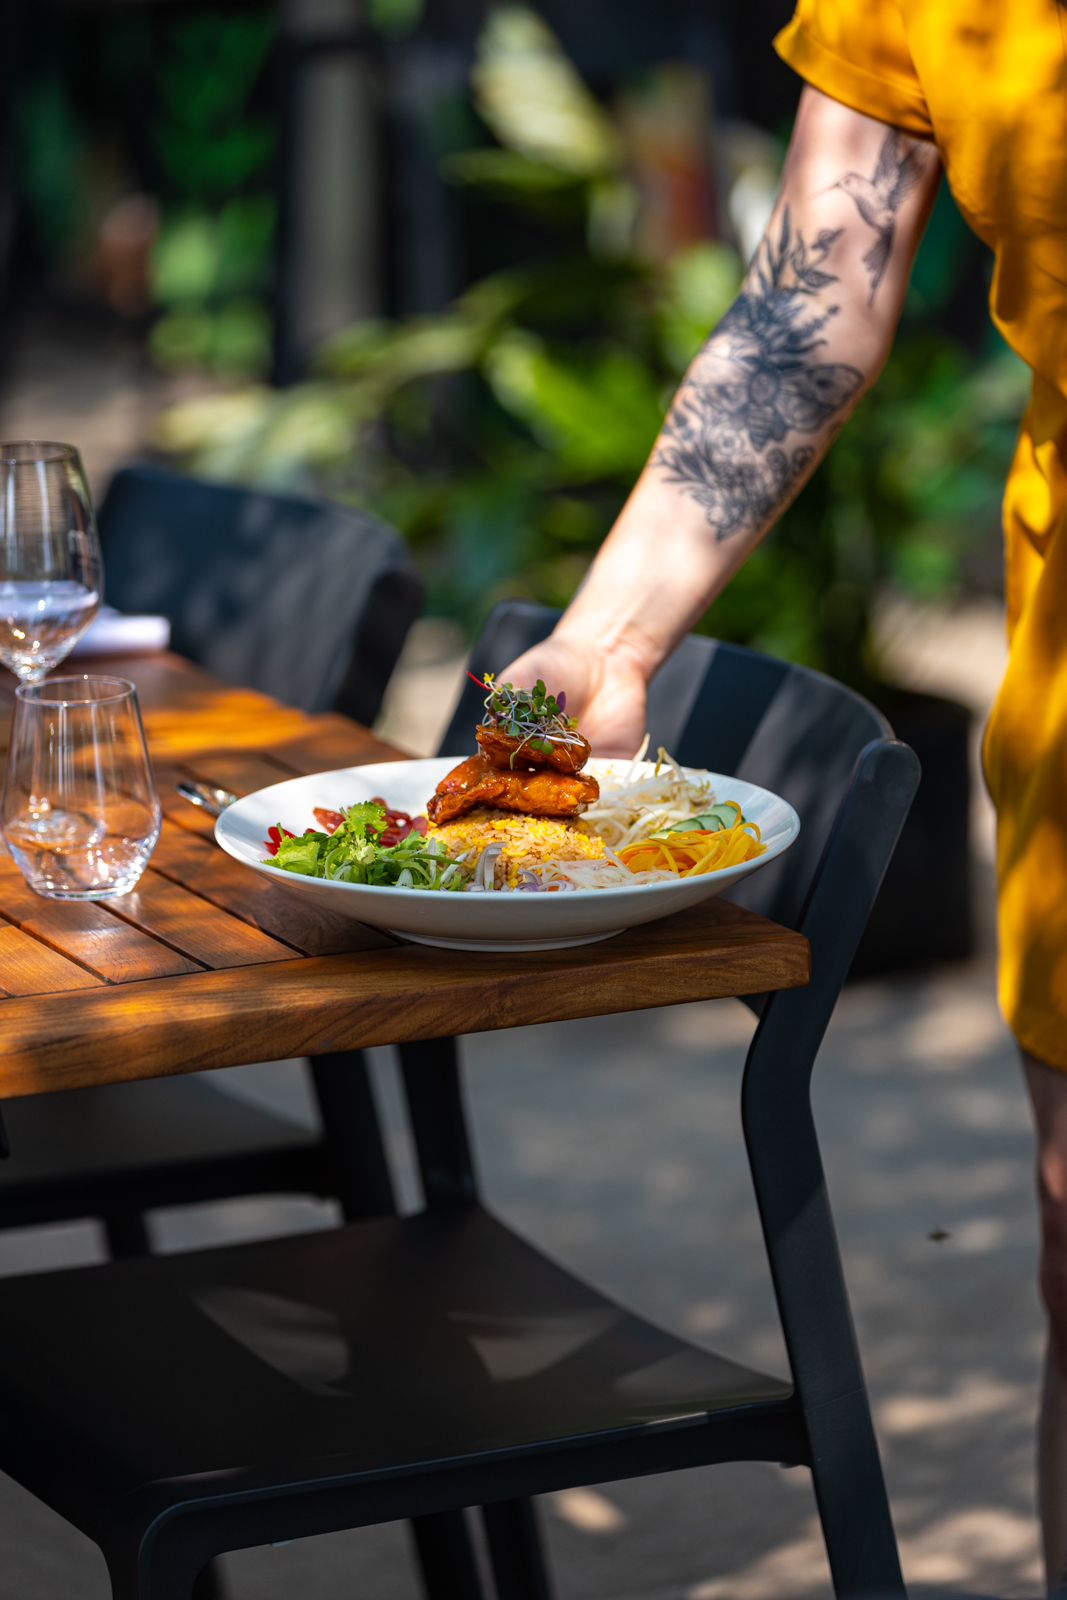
{"type": "Point", "coordinates": [274, 839]}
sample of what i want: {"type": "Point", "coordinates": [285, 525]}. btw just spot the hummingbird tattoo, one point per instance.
{"type": "Point", "coordinates": [877, 199]}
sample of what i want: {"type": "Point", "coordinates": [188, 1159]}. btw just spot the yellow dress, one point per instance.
{"type": "Point", "coordinates": [987, 82]}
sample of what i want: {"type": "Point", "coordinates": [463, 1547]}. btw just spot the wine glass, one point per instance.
{"type": "Point", "coordinates": [79, 810]}
{"type": "Point", "coordinates": [51, 572]}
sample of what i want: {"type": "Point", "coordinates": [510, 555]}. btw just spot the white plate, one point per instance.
{"type": "Point", "coordinates": [498, 922]}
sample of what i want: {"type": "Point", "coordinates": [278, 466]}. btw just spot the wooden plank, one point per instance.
{"type": "Point", "coordinates": [186, 710]}
{"type": "Point", "coordinates": [29, 967]}
{"type": "Point", "coordinates": [230, 719]}
{"type": "Point", "coordinates": [161, 679]}
{"type": "Point", "coordinates": [194, 926]}
{"type": "Point", "coordinates": [284, 914]}
{"type": "Point", "coordinates": [177, 810]}
{"type": "Point", "coordinates": [240, 772]}
{"type": "Point", "coordinates": [332, 741]}
{"type": "Point", "coordinates": [299, 1007]}
{"type": "Point", "coordinates": [85, 932]}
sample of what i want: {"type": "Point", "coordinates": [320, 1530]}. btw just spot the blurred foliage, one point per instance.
{"type": "Point", "coordinates": [211, 264]}
{"type": "Point", "coordinates": [114, 104]}
{"type": "Point", "coordinates": [207, 141]}
{"type": "Point", "coordinates": [395, 16]}
{"type": "Point", "coordinates": [503, 435]}
{"type": "Point", "coordinates": [533, 100]}
{"type": "Point", "coordinates": [73, 78]}
{"type": "Point", "coordinates": [51, 144]}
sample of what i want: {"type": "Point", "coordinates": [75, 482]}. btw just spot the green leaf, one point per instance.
{"type": "Point", "coordinates": [366, 814]}
{"type": "Point", "coordinates": [532, 97]}
{"type": "Point", "coordinates": [699, 285]}
{"type": "Point", "coordinates": [299, 855]}
{"type": "Point", "coordinates": [600, 421]}
{"type": "Point", "coordinates": [506, 169]}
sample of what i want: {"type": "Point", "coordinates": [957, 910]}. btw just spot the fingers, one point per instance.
{"type": "Point", "coordinates": [560, 665]}
{"type": "Point", "coordinates": [604, 691]}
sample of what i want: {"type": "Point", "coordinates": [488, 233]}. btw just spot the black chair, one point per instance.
{"type": "Point", "coordinates": [306, 600]}
{"type": "Point", "coordinates": [177, 1407]}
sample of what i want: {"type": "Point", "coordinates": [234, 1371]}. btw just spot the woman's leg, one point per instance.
{"type": "Point", "coordinates": [1048, 1092]}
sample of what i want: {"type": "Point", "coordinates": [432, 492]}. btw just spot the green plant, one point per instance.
{"type": "Point", "coordinates": [207, 141]}
{"type": "Point", "coordinates": [212, 260]}
{"type": "Point", "coordinates": [51, 151]}
{"type": "Point", "coordinates": [504, 435]}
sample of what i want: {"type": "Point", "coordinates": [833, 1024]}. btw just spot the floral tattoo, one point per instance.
{"type": "Point", "coordinates": [722, 441]}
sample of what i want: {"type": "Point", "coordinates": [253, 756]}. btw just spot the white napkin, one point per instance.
{"type": "Point", "coordinates": [112, 634]}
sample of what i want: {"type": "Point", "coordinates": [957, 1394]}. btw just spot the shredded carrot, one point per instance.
{"type": "Point", "coordinates": [695, 851]}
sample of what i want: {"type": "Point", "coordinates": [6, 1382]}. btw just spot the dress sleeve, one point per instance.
{"type": "Point", "coordinates": [856, 51]}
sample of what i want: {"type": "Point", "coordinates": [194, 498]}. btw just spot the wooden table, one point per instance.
{"type": "Point", "coordinates": [209, 964]}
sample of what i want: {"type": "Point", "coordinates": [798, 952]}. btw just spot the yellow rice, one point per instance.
{"type": "Point", "coordinates": [526, 841]}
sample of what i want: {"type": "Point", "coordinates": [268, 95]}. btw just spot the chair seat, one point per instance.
{"type": "Point", "coordinates": [358, 1351]}
{"type": "Point", "coordinates": [165, 1141]}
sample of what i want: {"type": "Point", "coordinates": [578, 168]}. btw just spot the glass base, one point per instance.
{"type": "Point", "coordinates": [58, 872]}
{"type": "Point", "coordinates": [110, 891]}
{"type": "Point", "coordinates": [33, 669]}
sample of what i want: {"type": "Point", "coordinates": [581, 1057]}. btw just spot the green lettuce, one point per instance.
{"type": "Point", "coordinates": [352, 855]}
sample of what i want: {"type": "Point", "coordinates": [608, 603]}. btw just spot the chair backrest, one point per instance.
{"type": "Point", "coordinates": [734, 711]}
{"type": "Point", "coordinates": [303, 599]}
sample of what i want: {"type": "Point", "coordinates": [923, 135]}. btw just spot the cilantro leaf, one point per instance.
{"type": "Point", "coordinates": [363, 815]}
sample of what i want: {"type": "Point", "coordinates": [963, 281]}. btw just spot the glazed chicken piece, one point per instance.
{"type": "Point", "coordinates": [499, 748]}
{"type": "Point", "coordinates": [475, 782]}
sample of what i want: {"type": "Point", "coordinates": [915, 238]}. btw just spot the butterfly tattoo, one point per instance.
{"type": "Point", "coordinates": [722, 441]}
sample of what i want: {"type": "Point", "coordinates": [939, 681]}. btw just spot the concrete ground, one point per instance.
{"type": "Point", "coordinates": [615, 1145]}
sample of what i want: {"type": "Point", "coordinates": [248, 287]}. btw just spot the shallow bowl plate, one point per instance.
{"type": "Point", "coordinates": [498, 922]}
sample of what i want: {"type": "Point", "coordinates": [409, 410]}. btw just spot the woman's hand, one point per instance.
{"type": "Point", "coordinates": [605, 688]}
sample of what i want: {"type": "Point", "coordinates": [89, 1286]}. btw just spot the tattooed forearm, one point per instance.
{"type": "Point", "coordinates": [722, 442]}
{"type": "Point", "coordinates": [901, 163]}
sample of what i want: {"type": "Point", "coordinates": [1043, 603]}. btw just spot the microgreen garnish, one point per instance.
{"type": "Point", "coordinates": [533, 716]}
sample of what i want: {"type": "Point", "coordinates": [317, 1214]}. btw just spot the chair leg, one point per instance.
{"type": "Point", "coordinates": [446, 1556]}
{"type": "Point", "coordinates": [519, 1570]}
{"type": "Point", "coordinates": [434, 1093]}
{"type": "Point", "coordinates": [356, 1160]}
{"type": "Point", "coordinates": [850, 1492]}
{"type": "Point", "coordinates": [127, 1235]}
{"type": "Point", "coordinates": [359, 1171]}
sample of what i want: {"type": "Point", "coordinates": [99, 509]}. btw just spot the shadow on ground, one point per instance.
{"type": "Point", "coordinates": [615, 1144]}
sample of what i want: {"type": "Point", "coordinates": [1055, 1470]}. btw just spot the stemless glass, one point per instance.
{"type": "Point", "coordinates": [79, 809]}
{"type": "Point", "coordinates": [51, 573]}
